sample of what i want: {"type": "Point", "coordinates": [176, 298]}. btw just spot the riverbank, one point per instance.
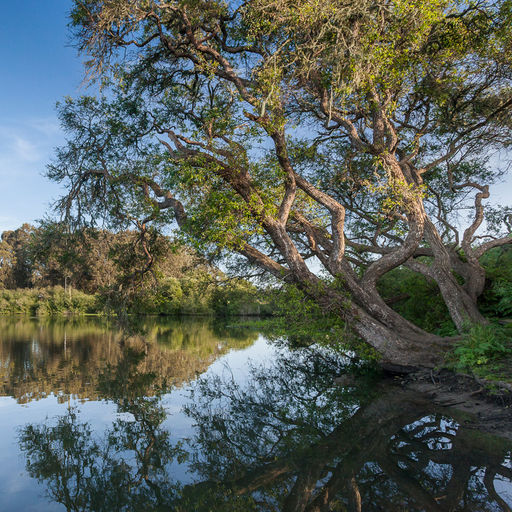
{"type": "Point", "coordinates": [233, 301]}
{"type": "Point", "coordinates": [485, 405]}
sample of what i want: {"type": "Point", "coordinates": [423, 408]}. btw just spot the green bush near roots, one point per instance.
{"type": "Point", "coordinates": [496, 300]}
{"type": "Point", "coordinates": [483, 350]}
{"type": "Point", "coordinates": [409, 292]}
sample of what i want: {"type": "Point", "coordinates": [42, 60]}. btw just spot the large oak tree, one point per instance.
{"type": "Point", "coordinates": [351, 136]}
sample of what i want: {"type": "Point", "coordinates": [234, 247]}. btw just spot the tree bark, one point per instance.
{"type": "Point", "coordinates": [461, 305]}
{"type": "Point", "coordinates": [396, 339]}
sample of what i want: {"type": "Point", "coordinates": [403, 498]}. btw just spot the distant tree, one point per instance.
{"type": "Point", "coordinates": [15, 259]}
{"type": "Point", "coordinates": [7, 264]}
{"type": "Point", "coordinates": [62, 257]}
{"type": "Point", "coordinates": [351, 134]}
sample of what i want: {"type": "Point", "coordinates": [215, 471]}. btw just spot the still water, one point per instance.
{"type": "Point", "coordinates": [194, 416]}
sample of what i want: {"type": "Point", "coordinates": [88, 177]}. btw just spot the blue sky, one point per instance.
{"type": "Point", "coordinates": [40, 67]}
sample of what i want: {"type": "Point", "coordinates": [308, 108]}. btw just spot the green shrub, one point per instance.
{"type": "Point", "coordinates": [503, 292]}
{"type": "Point", "coordinates": [47, 301]}
{"type": "Point", "coordinates": [198, 294]}
{"type": "Point", "coordinates": [482, 348]}
{"type": "Point", "coordinates": [496, 300]}
{"type": "Point", "coordinates": [239, 298]}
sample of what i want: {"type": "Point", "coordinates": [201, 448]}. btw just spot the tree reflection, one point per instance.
{"type": "Point", "coordinates": [288, 439]}
{"type": "Point", "coordinates": [295, 442]}
{"type": "Point", "coordinates": [125, 469]}
{"type": "Point", "coordinates": [42, 357]}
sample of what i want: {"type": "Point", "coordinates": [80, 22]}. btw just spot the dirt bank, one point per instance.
{"type": "Point", "coordinates": [487, 406]}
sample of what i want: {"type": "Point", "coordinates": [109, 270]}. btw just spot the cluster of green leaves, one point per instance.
{"type": "Point", "coordinates": [329, 32]}
{"type": "Point", "coordinates": [496, 301]}
{"type": "Point", "coordinates": [15, 257]}
{"type": "Point", "coordinates": [240, 298]}
{"type": "Point", "coordinates": [299, 321]}
{"type": "Point", "coordinates": [50, 254]}
{"type": "Point", "coordinates": [503, 292]}
{"type": "Point", "coordinates": [196, 294]}
{"type": "Point", "coordinates": [485, 350]}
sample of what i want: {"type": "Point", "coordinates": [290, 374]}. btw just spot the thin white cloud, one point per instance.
{"type": "Point", "coordinates": [47, 126]}
{"type": "Point", "coordinates": [25, 149]}
{"type": "Point", "coordinates": [8, 223]}
{"type": "Point", "coordinates": [26, 146]}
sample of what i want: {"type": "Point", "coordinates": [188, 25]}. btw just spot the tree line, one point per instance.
{"type": "Point", "coordinates": [88, 260]}
{"type": "Point", "coordinates": [44, 268]}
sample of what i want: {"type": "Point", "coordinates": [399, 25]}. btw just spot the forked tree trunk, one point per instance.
{"type": "Point", "coordinates": [462, 307]}
{"type": "Point", "coordinates": [460, 302]}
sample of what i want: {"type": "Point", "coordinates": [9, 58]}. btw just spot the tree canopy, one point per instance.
{"type": "Point", "coordinates": [356, 137]}
{"type": "Point", "coordinates": [90, 260]}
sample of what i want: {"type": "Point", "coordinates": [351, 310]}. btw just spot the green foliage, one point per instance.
{"type": "Point", "coordinates": [503, 292]}
{"type": "Point", "coordinates": [111, 272]}
{"type": "Point", "coordinates": [410, 293]}
{"type": "Point", "coordinates": [417, 299]}
{"type": "Point", "coordinates": [47, 301]}
{"type": "Point", "coordinates": [240, 298]}
{"type": "Point", "coordinates": [496, 301]}
{"type": "Point", "coordinates": [300, 321]}
{"type": "Point", "coordinates": [198, 294]}
{"type": "Point", "coordinates": [172, 296]}
{"type": "Point", "coordinates": [16, 258]}
{"type": "Point", "coordinates": [482, 350]}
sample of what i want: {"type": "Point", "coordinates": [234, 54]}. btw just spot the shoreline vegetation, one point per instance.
{"type": "Point", "coordinates": [92, 265]}
{"type": "Point", "coordinates": [50, 270]}
{"type": "Point", "coordinates": [56, 301]}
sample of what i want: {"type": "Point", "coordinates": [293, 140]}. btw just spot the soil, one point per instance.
{"type": "Point", "coordinates": [489, 405]}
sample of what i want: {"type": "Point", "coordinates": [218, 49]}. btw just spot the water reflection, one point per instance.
{"type": "Point", "coordinates": [64, 357]}
{"type": "Point", "coordinates": [124, 470]}
{"type": "Point", "coordinates": [293, 442]}
{"type": "Point", "coordinates": [284, 439]}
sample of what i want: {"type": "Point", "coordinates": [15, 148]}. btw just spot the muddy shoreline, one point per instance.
{"type": "Point", "coordinates": [488, 408]}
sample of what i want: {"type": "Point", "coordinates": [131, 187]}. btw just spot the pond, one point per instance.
{"type": "Point", "coordinates": [197, 416]}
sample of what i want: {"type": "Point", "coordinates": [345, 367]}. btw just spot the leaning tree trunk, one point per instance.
{"type": "Point", "coordinates": [400, 348]}
{"type": "Point", "coordinates": [461, 305]}
{"type": "Point", "coordinates": [397, 340]}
